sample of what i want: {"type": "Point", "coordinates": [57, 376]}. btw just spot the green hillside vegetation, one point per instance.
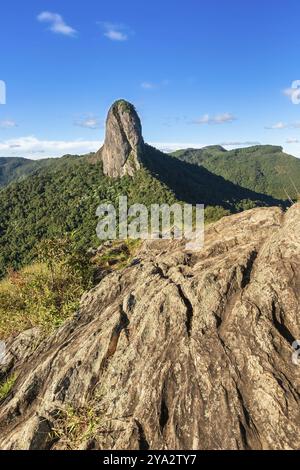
{"type": "Point", "coordinates": [17, 168]}
{"type": "Point", "coordinates": [194, 184]}
{"type": "Point", "coordinates": [47, 292]}
{"type": "Point", "coordinates": [48, 225]}
{"type": "Point", "coordinates": [44, 294]}
{"type": "Point", "coordinates": [61, 196]}
{"type": "Point", "coordinates": [264, 168]}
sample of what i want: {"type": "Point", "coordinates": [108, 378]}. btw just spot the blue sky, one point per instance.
{"type": "Point", "coordinates": [199, 72]}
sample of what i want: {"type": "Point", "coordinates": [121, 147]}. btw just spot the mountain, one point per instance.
{"type": "Point", "coordinates": [179, 350]}
{"type": "Point", "coordinates": [195, 184]}
{"type": "Point", "coordinates": [123, 147]}
{"type": "Point", "coordinates": [14, 168]}
{"type": "Point", "coordinates": [63, 198]}
{"type": "Point", "coordinates": [61, 195]}
{"type": "Point", "coordinates": [263, 168]}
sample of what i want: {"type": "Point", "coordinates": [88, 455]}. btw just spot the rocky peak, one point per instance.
{"type": "Point", "coordinates": [123, 146]}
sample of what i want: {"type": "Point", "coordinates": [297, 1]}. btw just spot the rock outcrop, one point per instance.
{"type": "Point", "coordinates": [177, 351]}
{"type": "Point", "coordinates": [123, 146]}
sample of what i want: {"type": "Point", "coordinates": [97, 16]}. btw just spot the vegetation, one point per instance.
{"type": "Point", "coordinates": [213, 214]}
{"type": "Point", "coordinates": [75, 427]}
{"type": "Point", "coordinates": [47, 226]}
{"type": "Point", "coordinates": [125, 106]}
{"type": "Point", "coordinates": [193, 183]}
{"type": "Point", "coordinates": [12, 169]}
{"type": "Point", "coordinates": [78, 426]}
{"type": "Point", "coordinates": [263, 168]}
{"type": "Point", "coordinates": [62, 199]}
{"type": "Point", "coordinates": [46, 293]}
{"type": "Point", "coordinates": [48, 222]}
{"type": "Point", "coordinates": [6, 386]}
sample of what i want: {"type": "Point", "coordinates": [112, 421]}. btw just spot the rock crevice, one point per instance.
{"type": "Point", "coordinates": [229, 384]}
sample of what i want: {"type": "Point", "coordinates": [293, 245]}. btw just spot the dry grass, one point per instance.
{"type": "Point", "coordinates": [30, 298]}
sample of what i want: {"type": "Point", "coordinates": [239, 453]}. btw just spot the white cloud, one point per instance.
{"type": "Point", "coordinates": [57, 23]}
{"type": "Point", "coordinates": [34, 148]}
{"type": "Point", "coordinates": [278, 125]}
{"type": "Point", "coordinates": [31, 146]}
{"type": "Point", "coordinates": [282, 125]}
{"type": "Point", "coordinates": [116, 35]}
{"type": "Point", "coordinates": [116, 32]}
{"type": "Point", "coordinates": [152, 86]}
{"type": "Point", "coordinates": [292, 141]}
{"type": "Point", "coordinates": [89, 122]}
{"type": "Point", "coordinates": [218, 119]}
{"type": "Point", "coordinates": [289, 92]}
{"type": "Point", "coordinates": [239, 144]}
{"type": "Point", "coordinates": [7, 124]}
{"type": "Point", "coordinates": [148, 85]}
{"type": "Point", "coordinates": [172, 146]}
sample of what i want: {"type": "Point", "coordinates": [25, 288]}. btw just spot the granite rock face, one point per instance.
{"type": "Point", "coordinates": [123, 146]}
{"type": "Point", "coordinates": [180, 350]}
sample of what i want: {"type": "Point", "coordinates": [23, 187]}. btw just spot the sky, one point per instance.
{"type": "Point", "coordinates": [199, 73]}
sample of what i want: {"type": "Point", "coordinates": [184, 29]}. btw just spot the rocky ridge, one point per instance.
{"type": "Point", "coordinates": [180, 350]}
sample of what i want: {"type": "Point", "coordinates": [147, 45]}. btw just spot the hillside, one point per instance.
{"type": "Point", "coordinates": [264, 168]}
{"type": "Point", "coordinates": [60, 196]}
{"type": "Point", "coordinates": [178, 350]}
{"type": "Point", "coordinates": [195, 184]}
{"type": "Point", "coordinates": [63, 198]}
{"type": "Point", "coordinates": [12, 168]}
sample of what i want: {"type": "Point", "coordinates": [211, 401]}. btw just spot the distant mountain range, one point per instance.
{"type": "Point", "coordinates": [51, 197]}
{"type": "Point", "coordinates": [13, 169]}
{"type": "Point", "coordinates": [263, 168]}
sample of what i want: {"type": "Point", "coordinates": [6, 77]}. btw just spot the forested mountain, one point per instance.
{"type": "Point", "coordinates": [262, 168]}
{"type": "Point", "coordinates": [12, 168]}
{"type": "Point", "coordinates": [196, 184]}
{"type": "Point", "coordinates": [62, 198]}
{"type": "Point", "coordinates": [49, 198]}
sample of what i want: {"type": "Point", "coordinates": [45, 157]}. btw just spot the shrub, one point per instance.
{"type": "Point", "coordinates": [46, 293]}
{"type": "Point", "coordinates": [6, 386]}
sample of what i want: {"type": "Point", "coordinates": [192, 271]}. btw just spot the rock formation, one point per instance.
{"type": "Point", "coordinates": [123, 146]}
{"type": "Point", "coordinates": [180, 350]}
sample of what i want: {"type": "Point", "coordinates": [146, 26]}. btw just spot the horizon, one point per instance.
{"type": "Point", "coordinates": [207, 80]}
{"type": "Point", "coordinates": [156, 145]}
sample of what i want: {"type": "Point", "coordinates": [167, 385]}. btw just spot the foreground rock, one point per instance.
{"type": "Point", "coordinates": [123, 146]}
{"type": "Point", "coordinates": [178, 351]}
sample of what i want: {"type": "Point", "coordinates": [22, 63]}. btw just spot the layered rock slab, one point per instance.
{"type": "Point", "coordinates": [181, 350]}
